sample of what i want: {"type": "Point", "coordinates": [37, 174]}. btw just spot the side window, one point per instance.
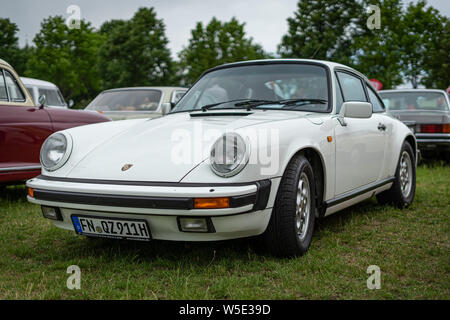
{"type": "Point", "coordinates": [3, 93]}
{"type": "Point", "coordinates": [31, 91]}
{"type": "Point", "coordinates": [339, 99]}
{"type": "Point", "coordinates": [352, 87]}
{"type": "Point", "coordinates": [176, 95]}
{"type": "Point", "coordinates": [15, 93]}
{"type": "Point", "coordinates": [377, 105]}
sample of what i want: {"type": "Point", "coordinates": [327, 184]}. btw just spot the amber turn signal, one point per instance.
{"type": "Point", "coordinates": [211, 203]}
{"type": "Point", "coordinates": [31, 192]}
{"type": "Point", "coordinates": [446, 128]}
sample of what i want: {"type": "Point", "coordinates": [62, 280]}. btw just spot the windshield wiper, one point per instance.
{"type": "Point", "coordinates": [253, 103]}
{"type": "Point", "coordinates": [285, 102]}
{"type": "Point", "coordinates": [245, 102]}
{"type": "Point", "coordinates": [288, 102]}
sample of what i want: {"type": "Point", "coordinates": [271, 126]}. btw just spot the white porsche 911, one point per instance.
{"type": "Point", "coordinates": [257, 147]}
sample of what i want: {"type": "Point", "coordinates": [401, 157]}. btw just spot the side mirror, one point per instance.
{"type": "Point", "coordinates": [356, 109]}
{"type": "Point", "coordinates": [71, 103]}
{"type": "Point", "coordinates": [165, 108]}
{"type": "Point", "coordinates": [42, 101]}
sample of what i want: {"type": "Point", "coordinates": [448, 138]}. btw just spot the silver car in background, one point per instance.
{"type": "Point", "coordinates": [427, 113]}
{"type": "Point", "coordinates": [37, 88]}
{"type": "Point", "coordinates": [136, 102]}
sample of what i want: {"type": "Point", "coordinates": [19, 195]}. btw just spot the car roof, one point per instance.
{"type": "Point", "coordinates": [330, 64]}
{"type": "Point", "coordinates": [144, 88]}
{"type": "Point", "coordinates": [5, 63]}
{"type": "Point", "coordinates": [413, 90]}
{"type": "Point", "coordinates": [37, 82]}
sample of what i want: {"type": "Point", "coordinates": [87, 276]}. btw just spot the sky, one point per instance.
{"type": "Point", "coordinates": [265, 19]}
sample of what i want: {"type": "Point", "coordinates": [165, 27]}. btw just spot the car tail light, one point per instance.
{"type": "Point", "coordinates": [431, 128]}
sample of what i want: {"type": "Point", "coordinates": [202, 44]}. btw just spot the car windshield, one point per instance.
{"type": "Point", "coordinates": [414, 100]}
{"type": "Point", "coordinates": [126, 100]}
{"type": "Point", "coordinates": [292, 86]}
{"type": "Point", "coordinates": [53, 97]}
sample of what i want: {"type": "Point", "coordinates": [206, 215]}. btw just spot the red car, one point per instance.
{"type": "Point", "coordinates": [24, 127]}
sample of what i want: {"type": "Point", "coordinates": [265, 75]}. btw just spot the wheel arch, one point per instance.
{"type": "Point", "coordinates": [317, 162]}
{"type": "Point", "coordinates": [412, 141]}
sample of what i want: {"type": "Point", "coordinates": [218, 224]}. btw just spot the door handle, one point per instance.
{"type": "Point", "coordinates": [381, 127]}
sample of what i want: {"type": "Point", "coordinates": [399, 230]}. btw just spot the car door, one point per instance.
{"type": "Point", "coordinates": [23, 126]}
{"type": "Point", "coordinates": [360, 143]}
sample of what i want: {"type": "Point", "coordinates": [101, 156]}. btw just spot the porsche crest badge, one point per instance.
{"type": "Point", "coordinates": [126, 166]}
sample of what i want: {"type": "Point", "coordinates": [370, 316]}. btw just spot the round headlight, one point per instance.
{"type": "Point", "coordinates": [55, 151]}
{"type": "Point", "coordinates": [229, 155]}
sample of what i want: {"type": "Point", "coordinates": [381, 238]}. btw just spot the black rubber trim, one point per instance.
{"type": "Point", "coordinates": [258, 199]}
{"type": "Point", "coordinates": [357, 192]}
{"type": "Point", "coordinates": [115, 200]}
{"type": "Point", "coordinates": [148, 183]}
{"type": "Point", "coordinates": [262, 195]}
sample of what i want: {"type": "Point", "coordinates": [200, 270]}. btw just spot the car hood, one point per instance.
{"type": "Point", "coordinates": [421, 116]}
{"type": "Point", "coordinates": [165, 149]}
{"type": "Point", "coordinates": [118, 115]}
{"type": "Point", "coordinates": [63, 115]}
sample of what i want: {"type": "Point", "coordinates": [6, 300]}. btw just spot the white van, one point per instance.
{"type": "Point", "coordinates": [53, 96]}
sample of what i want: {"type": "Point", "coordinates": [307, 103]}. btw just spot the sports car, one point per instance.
{"type": "Point", "coordinates": [261, 147]}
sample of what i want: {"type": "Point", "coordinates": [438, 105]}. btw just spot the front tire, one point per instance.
{"type": "Point", "coordinates": [291, 225]}
{"type": "Point", "coordinates": [402, 192]}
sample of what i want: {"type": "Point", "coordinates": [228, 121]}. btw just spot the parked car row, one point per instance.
{"type": "Point", "coordinates": [24, 126]}
{"type": "Point", "coordinates": [338, 142]}
{"type": "Point", "coordinates": [25, 121]}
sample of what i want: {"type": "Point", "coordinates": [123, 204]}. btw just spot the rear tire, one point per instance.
{"type": "Point", "coordinates": [291, 225]}
{"type": "Point", "coordinates": [402, 192]}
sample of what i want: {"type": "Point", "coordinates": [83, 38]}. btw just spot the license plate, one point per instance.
{"type": "Point", "coordinates": [112, 228]}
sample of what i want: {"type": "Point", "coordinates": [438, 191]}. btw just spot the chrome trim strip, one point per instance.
{"type": "Point", "coordinates": [432, 135]}
{"type": "Point", "coordinates": [26, 168]}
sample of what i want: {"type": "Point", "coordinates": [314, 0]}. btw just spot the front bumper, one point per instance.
{"type": "Point", "coordinates": [160, 204]}
{"type": "Point", "coordinates": [433, 141]}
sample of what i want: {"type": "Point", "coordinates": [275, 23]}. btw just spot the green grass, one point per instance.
{"type": "Point", "coordinates": [410, 246]}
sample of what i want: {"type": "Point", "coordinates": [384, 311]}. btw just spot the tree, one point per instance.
{"type": "Point", "coordinates": [9, 46]}
{"type": "Point", "coordinates": [321, 29]}
{"type": "Point", "coordinates": [378, 52]}
{"type": "Point", "coordinates": [67, 57]}
{"type": "Point", "coordinates": [135, 52]}
{"type": "Point", "coordinates": [217, 43]}
{"type": "Point", "coordinates": [437, 62]}
{"type": "Point", "coordinates": [422, 27]}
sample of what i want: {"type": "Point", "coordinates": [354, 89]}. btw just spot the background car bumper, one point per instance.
{"type": "Point", "coordinates": [433, 141]}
